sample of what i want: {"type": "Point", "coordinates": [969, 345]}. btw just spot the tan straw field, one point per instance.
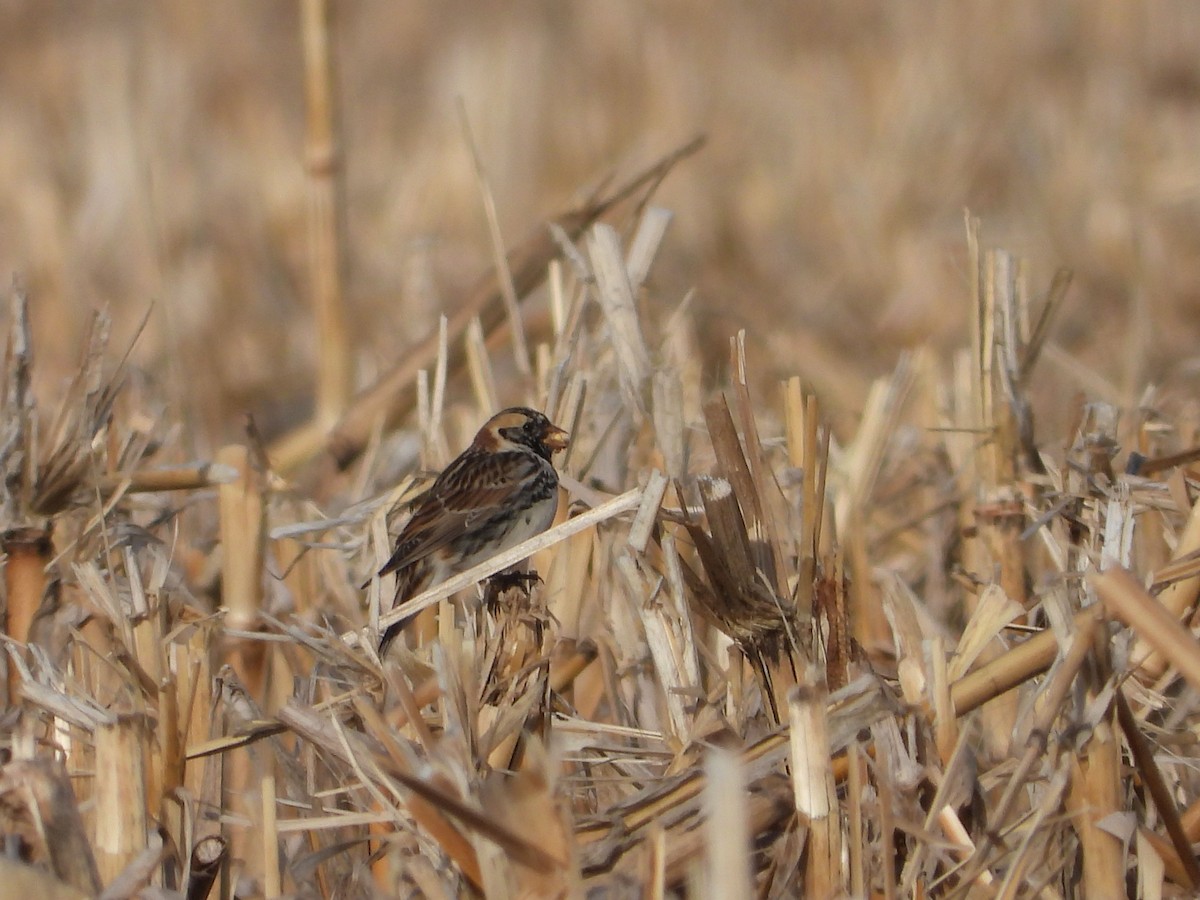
{"type": "Point", "coordinates": [876, 560]}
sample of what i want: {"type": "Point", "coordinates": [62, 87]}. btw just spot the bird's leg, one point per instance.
{"type": "Point", "coordinates": [513, 577]}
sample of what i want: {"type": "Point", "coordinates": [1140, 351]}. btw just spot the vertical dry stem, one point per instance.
{"type": "Point", "coordinates": [120, 794]}
{"type": "Point", "coordinates": [242, 521]}
{"type": "Point", "coordinates": [726, 827]}
{"type": "Point", "coordinates": [812, 781]}
{"type": "Point", "coordinates": [324, 219]}
{"type": "Point", "coordinates": [1095, 793]}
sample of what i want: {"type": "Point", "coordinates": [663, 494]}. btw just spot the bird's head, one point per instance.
{"type": "Point", "coordinates": [519, 426]}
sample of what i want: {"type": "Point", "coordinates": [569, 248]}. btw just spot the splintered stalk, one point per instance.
{"type": "Point", "coordinates": [208, 855]}
{"type": "Point", "coordinates": [812, 781]}
{"type": "Point", "coordinates": [120, 793]}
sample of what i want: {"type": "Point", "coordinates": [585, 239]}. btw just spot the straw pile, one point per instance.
{"type": "Point", "coordinates": [761, 659]}
{"type": "Point", "coordinates": [931, 654]}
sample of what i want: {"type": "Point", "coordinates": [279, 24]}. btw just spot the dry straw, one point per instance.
{"type": "Point", "coordinates": [723, 604]}
{"type": "Point", "coordinates": [935, 653]}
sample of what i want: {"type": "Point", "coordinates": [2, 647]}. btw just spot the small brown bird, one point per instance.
{"type": "Point", "coordinates": [500, 491]}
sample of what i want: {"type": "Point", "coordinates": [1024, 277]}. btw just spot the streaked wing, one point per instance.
{"type": "Point", "coordinates": [470, 492]}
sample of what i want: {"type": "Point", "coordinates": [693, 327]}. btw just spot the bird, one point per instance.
{"type": "Point", "coordinates": [500, 491]}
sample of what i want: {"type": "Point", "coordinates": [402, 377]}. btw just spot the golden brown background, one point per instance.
{"type": "Point", "coordinates": [152, 157]}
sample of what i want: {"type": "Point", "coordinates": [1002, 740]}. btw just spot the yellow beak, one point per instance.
{"type": "Point", "coordinates": [555, 438]}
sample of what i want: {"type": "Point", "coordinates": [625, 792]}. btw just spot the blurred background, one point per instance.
{"type": "Point", "coordinates": [152, 161]}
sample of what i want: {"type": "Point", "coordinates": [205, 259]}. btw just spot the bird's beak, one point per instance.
{"type": "Point", "coordinates": [555, 438]}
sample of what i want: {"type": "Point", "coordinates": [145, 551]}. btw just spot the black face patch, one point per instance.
{"type": "Point", "coordinates": [529, 432]}
{"type": "Point", "coordinates": [535, 427]}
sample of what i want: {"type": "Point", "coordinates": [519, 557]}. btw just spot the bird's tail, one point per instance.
{"type": "Point", "coordinates": [389, 635]}
{"type": "Point", "coordinates": [410, 581]}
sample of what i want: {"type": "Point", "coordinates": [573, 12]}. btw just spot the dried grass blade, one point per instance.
{"type": "Point", "coordinates": [615, 295]}
{"type": "Point", "coordinates": [521, 850]}
{"type": "Point", "coordinates": [993, 612]}
{"type": "Point", "coordinates": [479, 365]}
{"type": "Point", "coordinates": [647, 514]}
{"type": "Point", "coordinates": [652, 228]}
{"type": "Point", "coordinates": [1053, 303]}
{"type": "Point", "coordinates": [508, 291]}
